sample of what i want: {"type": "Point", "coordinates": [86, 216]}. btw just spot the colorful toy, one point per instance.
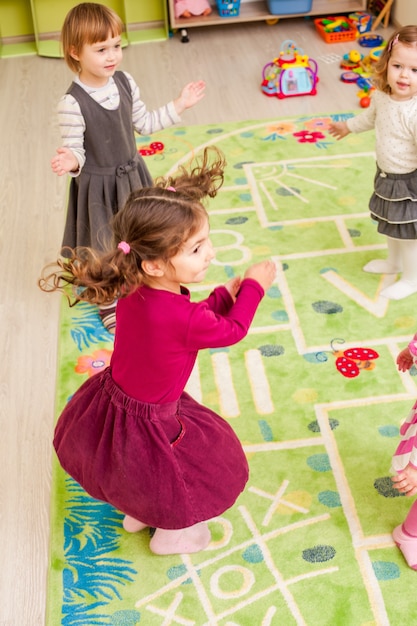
{"type": "Point", "coordinates": [188, 8]}
{"type": "Point", "coordinates": [365, 90]}
{"type": "Point", "coordinates": [370, 40]}
{"type": "Point", "coordinates": [362, 21]}
{"type": "Point", "coordinates": [355, 56]}
{"type": "Point", "coordinates": [292, 73]}
{"type": "Point", "coordinates": [352, 60]}
{"type": "Point", "coordinates": [349, 77]}
{"type": "Point", "coordinates": [332, 25]}
{"type": "Point", "coordinates": [363, 82]}
{"type": "Point", "coordinates": [361, 67]}
{"type": "Point", "coordinates": [376, 53]}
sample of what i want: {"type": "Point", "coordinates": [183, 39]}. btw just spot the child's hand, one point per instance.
{"type": "Point", "coordinates": [190, 95]}
{"type": "Point", "coordinates": [64, 162]}
{"type": "Point", "coordinates": [406, 481]}
{"type": "Point", "coordinates": [264, 273]}
{"type": "Point", "coordinates": [405, 360]}
{"type": "Point", "coordinates": [339, 130]}
{"type": "Point", "coordinates": [233, 286]}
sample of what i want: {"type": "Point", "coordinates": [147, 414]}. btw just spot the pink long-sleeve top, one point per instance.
{"type": "Point", "coordinates": [159, 333]}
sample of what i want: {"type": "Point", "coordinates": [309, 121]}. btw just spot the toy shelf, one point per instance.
{"type": "Point", "coordinates": [34, 26]}
{"type": "Point", "coordinates": [146, 21]}
{"type": "Point", "coordinates": [257, 11]}
{"type": "Point", "coordinates": [16, 28]}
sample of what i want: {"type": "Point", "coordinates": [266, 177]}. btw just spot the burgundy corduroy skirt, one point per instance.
{"type": "Point", "coordinates": [168, 465]}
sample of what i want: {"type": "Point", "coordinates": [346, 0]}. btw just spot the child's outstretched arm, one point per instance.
{"type": "Point", "coordinates": [405, 360]}
{"type": "Point", "coordinates": [189, 96]}
{"type": "Point", "coordinates": [264, 273]}
{"type": "Point", "coordinates": [339, 130]}
{"type": "Point", "coordinates": [233, 286]}
{"type": "Point", "coordinates": [406, 481]}
{"type": "Point", "coordinates": [64, 162]}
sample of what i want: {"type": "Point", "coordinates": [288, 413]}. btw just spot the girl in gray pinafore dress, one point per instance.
{"type": "Point", "coordinates": [98, 117]}
{"type": "Point", "coordinates": [113, 168]}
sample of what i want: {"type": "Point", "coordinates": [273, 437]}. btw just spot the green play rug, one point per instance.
{"type": "Point", "coordinates": [308, 542]}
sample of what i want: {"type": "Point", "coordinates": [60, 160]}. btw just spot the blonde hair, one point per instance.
{"type": "Point", "coordinates": [406, 36]}
{"type": "Point", "coordinates": [153, 225]}
{"type": "Point", "coordinates": [87, 23]}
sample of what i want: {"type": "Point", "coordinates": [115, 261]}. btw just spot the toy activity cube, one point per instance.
{"type": "Point", "coordinates": [292, 73]}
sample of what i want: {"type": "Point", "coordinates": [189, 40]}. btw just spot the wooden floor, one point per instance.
{"type": "Point", "coordinates": [230, 58]}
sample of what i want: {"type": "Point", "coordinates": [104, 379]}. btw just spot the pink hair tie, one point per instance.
{"type": "Point", "coordinates": [124, 246]}
{"type": "Point", "coordinates": [171, 188]}
{"type": "Point", "coordinates": [393, 42]}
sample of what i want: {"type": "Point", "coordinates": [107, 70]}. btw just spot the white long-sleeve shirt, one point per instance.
{"type": "Point", "coordinates": [72, 124]}
{"type": "Point", "coordinates": [395, 124]}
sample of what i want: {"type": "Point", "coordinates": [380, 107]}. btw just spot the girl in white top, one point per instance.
{"type": "Point", "coordinates": [393, 114]}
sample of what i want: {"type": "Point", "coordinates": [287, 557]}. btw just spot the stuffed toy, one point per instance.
{"type": "Point", "coordinates": [188, 8]}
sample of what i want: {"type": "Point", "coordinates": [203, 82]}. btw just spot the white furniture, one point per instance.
{"type": "Point", "coordinates": [258, 11]}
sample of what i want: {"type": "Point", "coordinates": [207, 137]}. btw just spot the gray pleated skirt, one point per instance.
{"type": "Point", "coordinates": [394, 204]}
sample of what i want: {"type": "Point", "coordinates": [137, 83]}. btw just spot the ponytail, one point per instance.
{"type": "Point", "coordinates": [92, 276]}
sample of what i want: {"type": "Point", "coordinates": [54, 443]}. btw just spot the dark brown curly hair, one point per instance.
{"type": "Point", "coordinates": [155, 222]}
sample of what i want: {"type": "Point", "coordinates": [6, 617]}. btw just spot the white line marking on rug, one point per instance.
{"type": "Point", "coordinates": [269, 197]}
{"type": "Point", "coordinates": [294, 321]}
{"type": "Point", "coordinates": [171, 586]}
{"type": "Point", "coordinates": [373, 588]}
{"type": "Point", "coordinates": [349, 507]}
{"type": "Point", "coordinates": [319, 161]}
{"type": "Point", "coordinates": [348, 503]}
{"type": "Point", "coordinates": [192, 570]}
{"type": "Point", "coordinates": [276, 500]}
{"type": "Point", "coordinates": [376, 307]}
{"type": "Point", "coordinates": [170, 613]}
{"type": "Point", "coordinates": [258, 382]}
{"type": "Point", "coordinates": [224, 383]}
{"type": "Point", "coordinates": [273, 446]}
{"type": "Point", "coordinates": [269, 615]}
{"type": "Point", "coordinates": [344, 233]}
{"type": "Point", "coordinates": [378, 341]}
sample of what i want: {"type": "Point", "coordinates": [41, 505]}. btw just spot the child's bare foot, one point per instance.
{"type": "Point", "coordinates": [183, 541]}
{"type": "Point", "coordinates": [207, 11]}
{"type": "Point", "coordinates": [132, 525]}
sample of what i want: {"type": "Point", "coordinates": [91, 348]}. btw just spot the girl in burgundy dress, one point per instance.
{"type": "Point", "coordinates": [131, 436]}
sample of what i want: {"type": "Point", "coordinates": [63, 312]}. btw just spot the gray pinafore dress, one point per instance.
{"type": "Point", "coordinates": [113, 168]}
